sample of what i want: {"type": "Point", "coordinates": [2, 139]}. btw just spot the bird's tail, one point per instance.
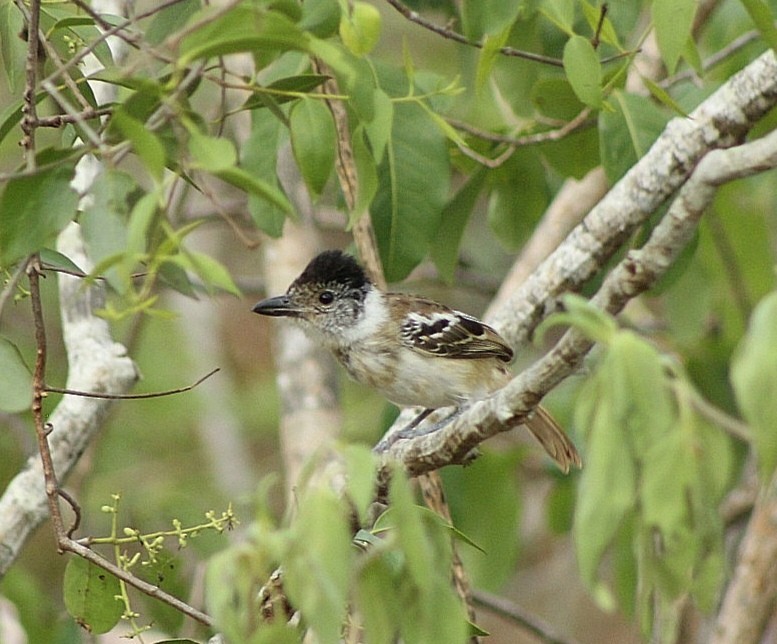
{"type": "Point", "coordinates": [555, 441]}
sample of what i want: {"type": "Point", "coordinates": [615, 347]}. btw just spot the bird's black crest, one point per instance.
{"type": "Point", "coordinates": [334, 266]}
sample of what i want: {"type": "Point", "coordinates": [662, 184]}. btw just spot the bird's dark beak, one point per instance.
{"type": "Point", "coordinates": [279, 306]}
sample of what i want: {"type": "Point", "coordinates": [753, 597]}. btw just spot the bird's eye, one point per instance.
{"type": "Point", "coordinates": [326, 297]}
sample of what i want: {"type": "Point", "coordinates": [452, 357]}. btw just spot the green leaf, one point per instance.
{"type": "Point", "coordinates": [378, 129]}
{"type": "Point", "coordinates": [489, 53]}
{"type": "Point", "coordinates": [145, 143]}
{"type": "Point", "coordinates": [254, 185]}
{"type": "Point", "coordinates": [486, 525]}
{"type": "Point", "coordinates": [104, 224]}
{"type": "Point", "coordinates": [673, 20]}
{"type": "Point", "coordinates": [313, 141]}
{"type": "Point", "coordinates": [33, 209]}
{"type": "Point", "coordinates": [763, 17]}
{"type": "Point", "coordinates": [360, 31]}
{"type": "Point", "coordinates": [90, 596]}
{"type": "Point", "coordinates": [318, 564]}
{"type": "Point", "coordinates": [320, 17]}
{"type": "Point", "coordinates": [482, 18]}
{"type": "Point", "coordinates": [408, 205]}
{"type": "Point", "coordinates": [140, 219]}
{"type": "Point", "coordinates": [382, 611]}
{"type": "Point", "coordinates": [627, 133]}
{"type": "Point", "coordinates": [366, 174]}
{"type": "Point", "coordinates": [360, 467]}
{"type": "Point", "coordinates": [211, 271]}
{"type": "Point", "coordinates": [514, 207]}
{"type": "Point", "coordinates": [754, 377]}
{"type": "Point", "coordinates": [12, 47]}
{"type": "Point", "coordinates": [55, 259]}
{"type": "Point", "coordinates": [245, 27]}
{"type": "Point", "coordinates": [170, 19]}
{"type": "Point", "coordinates": [15, 379]}
{"type": "Point", "coordinates": [555, 98]}
{"type": "Point", "coordinates": [410, 532]}
{"type": "Point", "coordinates": [455, 215]}
{"type": "Point", "coordinates": [584, 71]}
{"type": "Point", "coordinates": [212, 153]}
{"type": "Point", "coordinates": [593, 14]}
{"type": "Point", "coordinates": [585, 316]}
{"type": "Point", "coordinates": [660, 94]}
{"type": "Point", "coordinates": [561, 13]}
{"type": "Point", "coordinates": [259, 157]}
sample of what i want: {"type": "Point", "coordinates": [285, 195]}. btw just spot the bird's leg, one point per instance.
{"type": "Point", "coordinates": [411, 429]}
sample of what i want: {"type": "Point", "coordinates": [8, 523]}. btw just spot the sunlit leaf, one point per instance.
{"type": "Point", "coordinates": [673, 20]}
{"type": "Point", "coordinates": [360, 30]}
{"type": "Point", "coordinates": [313, 140]}
{"type": "Point", "coordinates": [584, 71]}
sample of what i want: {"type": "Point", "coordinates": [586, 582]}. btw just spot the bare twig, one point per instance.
{"type": "Point", "coordinates": [528, 621]}
{"type": "Point", "coordinates": [599, 25]}
{"type": "Point", "coordinates": [445, 32]}
{"type": "Point", "coordinates": [31, 71]}
{"type": "Point", "coordinates": [153, 394]}
{"type": "Point", "coordinates": [580, 121]}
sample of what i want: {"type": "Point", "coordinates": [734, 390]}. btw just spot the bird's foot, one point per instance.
{"type": "Point", "coordinates": [411, 430]}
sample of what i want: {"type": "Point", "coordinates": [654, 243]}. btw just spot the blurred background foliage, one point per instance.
{"type": "Point", "coordinates": [428, 200]}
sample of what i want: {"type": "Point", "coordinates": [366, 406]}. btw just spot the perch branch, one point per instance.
{"type": "Point", "coordinates": [721, 121]}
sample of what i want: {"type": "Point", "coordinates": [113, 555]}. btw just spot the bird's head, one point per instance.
{"type": "Point", "coordinates": [329, 295]}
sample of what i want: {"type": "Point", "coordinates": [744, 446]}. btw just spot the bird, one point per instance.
{"type": "Point", "coordinates": [414, 351]}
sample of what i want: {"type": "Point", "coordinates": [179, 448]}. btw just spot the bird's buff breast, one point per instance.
{"type": "Point", "coordinates": [408, 379]}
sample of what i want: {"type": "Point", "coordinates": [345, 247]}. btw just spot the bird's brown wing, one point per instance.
{"type": "Point", "coordinates": [434, 329]}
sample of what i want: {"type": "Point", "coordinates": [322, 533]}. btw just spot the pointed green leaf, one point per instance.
{"type": "Point", "coordinates": [584, 71]}
{"type": "Point", "coordinates": [259, 156]}
{"type": "Point", "coordinates": [256, 186]}
{"type": "Point", "coordinates": [414, 180]}
{"type": "Point", "coordinates": [91, 596]}
{"type": "Point", "coordinates": [660, 94]}
{"type": "Point", "coordinates": [168, 20]}
{"type": "Point", "coordinates": [15, 379]}
{"type": "Point", "coordinates": [104, 224]}
{"type": "Point", "coordinates": [754, 377]}
{"type": "Point", "coordinates": [210, 270]}
{"type": "Point", "coordinates": [212, 153]}
{"type": "Point", "coordinates": [245, 28]}
{"type": "Point", "coordinates": [145, 143]}
{"type": "Point", "coordinates": [672, 20]}
{"type": "Point", "coordinates": [366, 174]}
{"type": "Point", "coordinates": [33, 209]}
{"type": "Point", "coordinates": [763, 17]}
{"type": "Point", "coordinates": [627, 133]}
{"type": "Point", "coordinates": [12, 47]}
{"type": "Point", "coordinates": [318, 565]}
{"type": "Point", "coordinates": [314, 141]}
{"type": "Point", "coordinates": [360, 31]}
{"type": "Point", "coordinates": [455, 215]}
